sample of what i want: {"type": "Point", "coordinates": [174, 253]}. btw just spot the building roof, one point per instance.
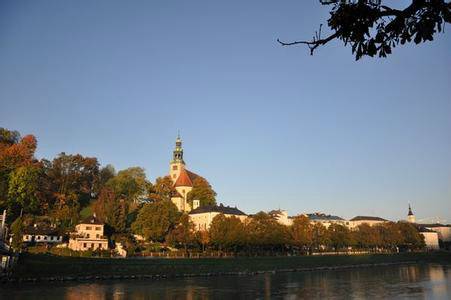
{"type": "Point", "coordinates": [434, 225]}
{"type": "Point", "coordinates": [40, 229]}
{"type": "Point", "coordinates": [185, 178]}
{"type": "Point", "coordinates": [367, 218]}
{"type": "Point", "coordinates": [323, 217]}
{"type": "Point", "coordinates": [227, 210]}
{"type": "Point", "coordinates": [91, 220]}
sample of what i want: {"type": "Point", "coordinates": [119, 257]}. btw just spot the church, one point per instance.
{"type": "Point", "coordinates": [182, 179]}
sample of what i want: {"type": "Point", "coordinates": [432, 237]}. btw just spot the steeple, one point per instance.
{"type": "Point", "coordinates": [410, 216]}
{"type": "Point", "coordinates": [177, 156]}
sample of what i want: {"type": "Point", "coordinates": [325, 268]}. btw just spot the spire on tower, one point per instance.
{"type": "Point", "coordinates": [410, 211]}
{"type": "Point", "coordinates": [177, 155]}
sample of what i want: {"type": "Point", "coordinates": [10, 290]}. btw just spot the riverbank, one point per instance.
{"type": "Point", "coordinates": [53, 268]}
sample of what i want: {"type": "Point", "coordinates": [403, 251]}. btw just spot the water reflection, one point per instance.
{"type": "Point", "coordinates": [414, 281]}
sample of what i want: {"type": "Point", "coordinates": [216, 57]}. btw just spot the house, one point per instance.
{"type": "Point", "coordinates": [88, 235]}
{"type": "Point", "coordinates": [359, 220]}
{"type": "Point", "coordinates": [281, 216]}
{"type": "Point", "coordinates": [326, 220]}
{"type": "Point", "coordinates": [203, 216]}
{"type": "Point", "coordinates": [41, 233]}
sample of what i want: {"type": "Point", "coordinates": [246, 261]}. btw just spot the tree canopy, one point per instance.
{"type": "Point", "coordinates": [373, 28]}
{"type": "Point", "coordinates": [202, 191]}
{"type": "Point", "coordinates": [156, 220]}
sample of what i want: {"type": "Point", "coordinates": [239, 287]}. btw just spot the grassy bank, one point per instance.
{"type": "Point", "coordinates": [45, 266]}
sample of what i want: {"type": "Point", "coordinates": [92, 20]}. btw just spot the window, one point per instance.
{"type": "Point", "coordinates": [89, 235]}
{"type": "Point", "coordinates": [84, 245]}
{"type": "Point", "coordinates": [98, 228]}
{"type": "Point", "coordinates": [97, 236]}
{"type": "Point", "coordinates": [88, 228]}
{"type": "Point", "coordinates": [39, 237]}
{"type": "Point", "coordinates": [45, 238]}
{"type": "Point", "coordinates": [100, 246]}
{"type": "Point", "coordinates": [174, 167]}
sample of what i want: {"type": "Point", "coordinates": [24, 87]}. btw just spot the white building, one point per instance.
{"type": "Point", "coordinates": [430, 239]}
{"type": "Point", "coordinates": [204, 215]}
{"type": "Point", "coordinates": [443, 231]}
{"type": "Point", "coordinates": [88, 235]}
{"type": "Point", "coordinates": [41, 233]}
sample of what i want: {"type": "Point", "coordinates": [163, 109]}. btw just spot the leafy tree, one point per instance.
{"type": "Point", "coordinates": [371, 27]}
{"type": "Point", "coordinates": [162, 190]}
{"type": "Point", "coordinates": [15, 152]}
{"type": "Point", "coordinates": [411, 238]}
{"type": "Point", "coordinates": [17, 228]}
{"type": "Point", "coordinates": [227, 232]}
{"type": "Point", "coordinates": [203, 238]}
{"type": "Point", "coordinates": [367, 236]}
{"type": "Point", "coordinates": [183, 234]}
{"type": "Point", "coordinates": [301, 232]}
{"type": "Point", "coordinates": [202, 191]}
{"type": "Point", "coordinates": [390, 234]}
{"type": "Point", "coordinates": [320, 235]}
{"type": "Point", "coordinates": [264, 232]}
{"type": "Point", "coordinates": [156, 220]}
{"type": "Point", "coordinates": [106, 173]}
{"type": "Point", "coordinates": [23, 190]}
{"type": "Point", "coordinates": [129, 184]}
{"type": "Point", "coordinates": [111, 210]}
{"type": "Point", "coordinates": [339, 236]}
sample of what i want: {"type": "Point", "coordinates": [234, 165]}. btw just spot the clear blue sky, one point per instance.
{"type": "Point", "coordinates": [268, 126]}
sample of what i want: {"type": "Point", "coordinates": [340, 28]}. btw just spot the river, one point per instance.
{"type": "Point", "coordinates": [403, 281]}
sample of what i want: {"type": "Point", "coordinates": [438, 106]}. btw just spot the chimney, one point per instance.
{"type": "Point", "coordinates": [196, 204]}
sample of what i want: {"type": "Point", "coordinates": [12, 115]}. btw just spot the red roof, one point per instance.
{"type": "Point", "coordinates": [185, 178]}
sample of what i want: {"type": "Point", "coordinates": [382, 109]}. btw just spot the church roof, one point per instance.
{"type": "Point", "coordinates": [185, 178]}
{"type": "Point", "coordinates": [227, 210]}
{"type": "Point", "coordinates": [367, 218]}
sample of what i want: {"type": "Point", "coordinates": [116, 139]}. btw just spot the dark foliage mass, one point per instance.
{"type": "Point", "coordinates": [373, 28]}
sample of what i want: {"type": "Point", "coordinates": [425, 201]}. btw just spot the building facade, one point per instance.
{"type": "Point", "coordinates": [41, 234]}
{"type": "Point", "coordinates": [88, 235]}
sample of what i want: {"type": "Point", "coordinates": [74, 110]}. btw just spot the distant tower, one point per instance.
{"type": "Point", "coordinates": [410, 216]}
{"type": "Point", "coordinates": [177, 162]}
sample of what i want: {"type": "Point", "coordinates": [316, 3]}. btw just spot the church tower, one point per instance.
{"type": "Point", "coordinates": [177, 163]}
{"type": "Point", "coordinates": [410, 216]}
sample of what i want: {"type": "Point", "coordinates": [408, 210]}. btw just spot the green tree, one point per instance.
{"type": "Point", "coordinates": [17, 228]}
{"type": "Point", "coordinates": [372, 27]}
{"type": "Point", "coordinates": [320, 236]}
{"type": "Point", "coordinates": [202, 191]}
{"type": "Point", "coordinates": [301, 232]}
{"type": "Point", "coordinates": [156, 220]}
{"type": "Point", "coordinates": [111, 210]}
{"type": "Point", "coordinates": [227, 233]}
{"type": "Point", "coordinates": [367, 237]}
{"type": "Point", "coordinates": [411, 237]}
{"type": "Point", "coordinates": [265, 233]}
{"type": "Point", "coordinates": [23, 190]}
{"type": "Point", "coordinates": [183, 234]}
{"type": "Point", "coordinates": [162, 190]}
{"type": "Point", "coordinates": [130, 184]}
{"type": "Point", "coordinates": [339, 236]}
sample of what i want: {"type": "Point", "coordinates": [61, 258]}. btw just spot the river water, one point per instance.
{"type": "Point", "coordinates": [400, 282]}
